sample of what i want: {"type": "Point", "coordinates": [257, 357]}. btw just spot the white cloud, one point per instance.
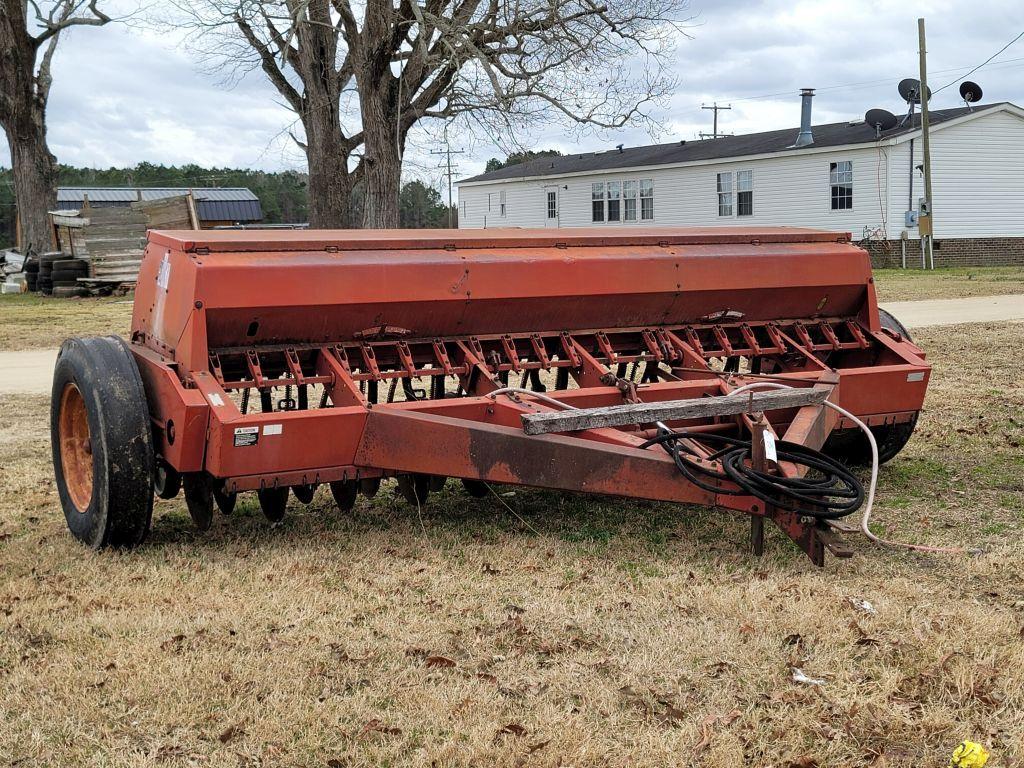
{"type": "Point", "coordinates": [122, 96]}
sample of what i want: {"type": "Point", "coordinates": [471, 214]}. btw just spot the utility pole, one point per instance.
{"type": "Point", "coordinates": [448, 152]}
{"type": "Point", "coordinates": [714, 130]}
{"type": "Point", "coordinates": [926, 224]}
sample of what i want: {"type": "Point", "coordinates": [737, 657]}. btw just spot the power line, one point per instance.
{"type": "Point", "coordinates": [448, 152]}
{"type": "Point", "coordinates": [714, 131]}
{"type": "Point", "coordinates": [883, 81]}
{"type": "Point", "coordinates": [986, 61]}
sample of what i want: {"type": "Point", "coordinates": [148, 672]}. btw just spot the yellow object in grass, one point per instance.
{"type": "Point", "coordinates": [969, 755]}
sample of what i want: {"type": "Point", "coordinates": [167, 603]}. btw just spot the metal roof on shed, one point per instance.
{"type": "Point", "coordinates": [229, 210]}
{"type": "Point", "coordinates": [212, 203]}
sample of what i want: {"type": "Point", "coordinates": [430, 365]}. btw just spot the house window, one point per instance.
{"type": "Point", "coordinates": [629, 201]}
{"type": "Point", "coordinates": [462, 209]}
{"type": "Point", "coordinates": [614, 203]}
{"type": "Point", "coordinates": [597, 201]}
{"type": "Point", "coordinates": [501, 203]}
{"type": "Point", "coordinates": [647, 199]}
{"type": "Point", "coordinates": [744, 193]}
{"type": "Point", "coordinates": [725, 200]}
{"type": "Point", "coordinates": [552, 204]}
{"type": "Point", "coordinates": [840, 179]}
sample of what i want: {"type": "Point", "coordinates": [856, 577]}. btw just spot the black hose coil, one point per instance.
{"type": "Point", "coordinates": [835, 493]}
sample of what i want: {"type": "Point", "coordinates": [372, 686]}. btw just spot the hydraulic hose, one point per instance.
{"type": "Point", "coordinates": [834, 493]}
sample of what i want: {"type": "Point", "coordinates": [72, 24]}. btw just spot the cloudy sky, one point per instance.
{"type": "Point", "coordinates": [122, 96]}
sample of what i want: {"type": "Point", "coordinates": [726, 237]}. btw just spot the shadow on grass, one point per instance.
{"type": "Point", "coordinates": [630, 531]}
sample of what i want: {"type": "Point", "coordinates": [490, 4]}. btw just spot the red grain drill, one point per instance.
{"type": "Point", "coordinates": [581, 360]}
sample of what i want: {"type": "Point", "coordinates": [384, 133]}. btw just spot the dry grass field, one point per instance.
{"type": "Point", "coordinates": [32, 321]}
{"type": "Point", "coordinates": [529, 628]}
{"type": "Point", "coordinates": [950, 283]}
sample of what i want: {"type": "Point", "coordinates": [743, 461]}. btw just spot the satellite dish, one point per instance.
{"type": "Point", "coordinates": [970, 92]}
{"type": "Point", "coordinates": [881, 119]}
{"type": "Point", "coordinates": [910, 90]}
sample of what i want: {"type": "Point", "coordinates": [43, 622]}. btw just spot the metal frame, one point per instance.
{"type": "Point", "coordinates": [199, 302]}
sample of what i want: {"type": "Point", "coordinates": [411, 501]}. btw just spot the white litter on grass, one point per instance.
{"type": "Point", "coordinates": [862, 605]}
{"type": "Point", "coordinates": [799, 676]}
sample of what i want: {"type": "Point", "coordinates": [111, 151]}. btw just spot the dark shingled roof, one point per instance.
{"type": "Point", "coordinates": [830, 135]}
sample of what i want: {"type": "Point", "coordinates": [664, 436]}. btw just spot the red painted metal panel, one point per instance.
{"type": "Point", "coordinates": [290, 441]}
{"type": "Point", "coordinates": [395, 239]}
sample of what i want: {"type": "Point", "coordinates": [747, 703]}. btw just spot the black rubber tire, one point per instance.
{"type": "Point", "coordinates": [31, 283]}
{"type": "Point", "coordinates": [369, 486]}
{"type": "Point", "coordinates": [851, 445]}
{"type": "Point", "coordinates": [344, 493]}
{"type": "Point", "coordinates": [74, 265]}
{"type": "Point", "coordinates": [166, 481]}
{"type": "Point", "coordinates": [273, 502]}
{"type": "Point", "coordinates": [31, 267]}
{"type": "Point", "coordinates": [226, 500]}
{"type": "Point", "coordinates": [199, 499]}
{"type": "Point", "coordinates": [46, 263]}
{"type": "Point", "coordinates": [69, 291]}
{"type": "Point", "coordinates": [120, 500]}
{"type": "Point", "coordinates": [304, 493]}
{"type": "Point", "coordinates": [69, 276]}
{"type": "Point", "coordinates": [437, 483]}
{"type": "Point", "coordinates": [414, 488]}
{"type": "Point", "coordinates": [475, 488]}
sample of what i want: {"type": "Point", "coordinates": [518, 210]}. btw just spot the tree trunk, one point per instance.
{"type": "Point", "coordinates": [330, 183]}
{"type": "Point", "coordinates": [384, 144]}
{"type": "Point", "coordinates": [327, 150]}
{"type": "Point", "coordinates": [35, 180]}
{"type": "Point", "coordinates": [23, 116]}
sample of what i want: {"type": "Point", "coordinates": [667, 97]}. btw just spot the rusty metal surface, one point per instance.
{"type": "Point", "coordinates": [345, 320]}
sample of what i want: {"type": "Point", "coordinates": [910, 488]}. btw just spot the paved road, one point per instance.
{"type": "Point", "coordinates": [976, 309]}
{"type": "Point", "coordinates": [31, 372]}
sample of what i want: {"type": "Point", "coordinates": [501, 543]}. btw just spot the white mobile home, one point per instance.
{"type": "Point", "coordinates": [848, 178]}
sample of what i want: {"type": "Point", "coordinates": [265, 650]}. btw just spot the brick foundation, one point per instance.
{"type": "Point", "coordinates": [967, 252]}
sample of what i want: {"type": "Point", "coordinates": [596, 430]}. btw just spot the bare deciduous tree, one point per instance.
{"type": "Point", "coordinates": [386, 65]}
{"type": "Point", "coordinates": [29, 33]}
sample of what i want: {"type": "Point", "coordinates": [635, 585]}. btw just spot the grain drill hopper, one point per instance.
{"type": "Point", "coordinates": [615, 362]}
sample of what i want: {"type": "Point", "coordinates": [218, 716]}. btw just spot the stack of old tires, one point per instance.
{"type": "Point", "coordinates": [44, 281]}
{"type": "Point", "coordinates": [64, 274]}
{"type": "Point", "coordinates": [31, 270]}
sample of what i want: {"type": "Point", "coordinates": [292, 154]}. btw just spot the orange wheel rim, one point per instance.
{"type": "Point", "coordinates": [75, 447]}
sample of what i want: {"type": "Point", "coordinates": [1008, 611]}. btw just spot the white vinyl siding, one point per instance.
{"type": "Point", "coordinates": [978, 188]}
{"type": "Point", "coordinates": [977, 179]}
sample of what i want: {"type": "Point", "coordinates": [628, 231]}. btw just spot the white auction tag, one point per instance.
{"type": "Point", "coordinates": [769, 447]}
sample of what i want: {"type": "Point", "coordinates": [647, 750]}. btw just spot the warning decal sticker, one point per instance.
{"type": "Point", "coordinates": [246, 436]}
